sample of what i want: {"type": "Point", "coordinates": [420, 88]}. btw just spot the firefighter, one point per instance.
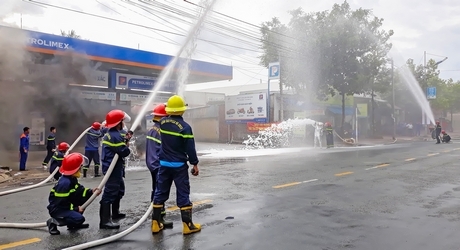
{"type": "Point", "coordinates": [92, 148]}
{"type": "Point", "coordinates": [50, 146]}
{"type": "Point", "coordinates": [152, 151]}
{"type": "Point", "coordinates": [58, 156]}
{"type": "Point", "coordinates": [445, 137]}
{"type": "Point", "coordinates": [329, 135]}
{"type": "Point", "coordinates": [438, 130]}
{"type": "Point", "coordinates": [68, 195]}
{"type": "Point", "coordinates": [177, 147]}
{"type": "Point", "coordinates": [113, 143]}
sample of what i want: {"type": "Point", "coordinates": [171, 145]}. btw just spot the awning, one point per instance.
{"type": "Point", "coordinates": [338, 110]}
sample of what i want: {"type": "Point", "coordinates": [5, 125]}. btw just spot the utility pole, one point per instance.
{"type": "Point", "coordinates": [393, 103]}
{"type": "Point", "coordinates": [281, 92]}
{"type": "Point", "coordinates": [21, 20]}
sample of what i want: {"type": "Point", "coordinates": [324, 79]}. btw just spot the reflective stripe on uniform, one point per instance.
{"type": "Point", "coordinates": [51, 139]}
{"type": "Point", "coordinates": [176, 134]}
{"type": "Point", "coordinates": [154, 139]}
{"type": "Point", "coordinates": [92, 134]}
{"type": "Point", "coordinates": [57, 159]}
{"type": "Point", "coordinates": [62, 195]}
{"type": "Point", "coordinates": [84, 192]}
{"type": "Point", "coordinates": [110, 144]}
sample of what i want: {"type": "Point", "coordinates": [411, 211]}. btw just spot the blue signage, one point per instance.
{"type": "Point", "coordinates": [431, 93]}
{"type": "Point", "coordinates": [274, 70]}
{"type": "Point", "coordinates": [128, 81]}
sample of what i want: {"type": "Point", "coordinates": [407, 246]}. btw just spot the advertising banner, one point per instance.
{"type": "Point", "coordinates": [37, 131]}
{"type": "Point", "coordinates": [255, 127]}
{"type": "Point", "coordinates": [246, 108]}
{"type": "Point", "coordinates": [127, 81]}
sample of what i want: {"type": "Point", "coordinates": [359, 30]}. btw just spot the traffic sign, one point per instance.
{"type": "Point", "coordinates": [431, 93]}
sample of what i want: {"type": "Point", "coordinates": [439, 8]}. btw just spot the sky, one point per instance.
{"type": "Point", "coordinates": [422, 25]}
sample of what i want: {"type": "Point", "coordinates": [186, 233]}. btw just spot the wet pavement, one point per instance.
{"type": "Point", "coordinates": [401, 196]}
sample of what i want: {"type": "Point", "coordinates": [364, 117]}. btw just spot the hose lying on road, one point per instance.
{"type": "Point", "coordinates": [12, 191]}
{"type": "Point", "coordinates": [113, 237]}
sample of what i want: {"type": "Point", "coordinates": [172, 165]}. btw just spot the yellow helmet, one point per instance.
{"type": "Point", "coordinates": [175, 104]}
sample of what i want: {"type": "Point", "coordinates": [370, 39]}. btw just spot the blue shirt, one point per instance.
{"type": "Point", "coordinates": [51, 142]}
{"type": "Point", "coordinates": [153, 147]}
{"type": "Point", "coordinates": [24, 142]}
{"type": "Point", "coordinates": [92, 139]}
{"type": "Point", "coordinates": [56, 160]}
{"type": "Point", "coordinates": [177, 142]}
{"type": "Point", "coordinates": [113, 143]}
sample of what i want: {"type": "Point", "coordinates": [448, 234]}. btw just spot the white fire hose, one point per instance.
{"type": "Point", "coordinates": [12, 191]}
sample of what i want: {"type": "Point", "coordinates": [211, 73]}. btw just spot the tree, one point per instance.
{"type": "Point", "coordinates": [70, 33]}
{"type": "Point", "coordinates": [332, 52]}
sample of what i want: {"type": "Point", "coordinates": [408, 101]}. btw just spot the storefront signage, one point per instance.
{"type": "Point", "coordinates": [255, 127]}
{"type": "Point", "coordinates": [97, 95]}
{"type": "Point", "coordinates": [127, 81]}
{"type": "Point", "coordinates": [246, 108]}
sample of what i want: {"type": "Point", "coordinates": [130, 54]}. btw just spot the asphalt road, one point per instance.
{"type": "Point", "coordinates": [402, 196]}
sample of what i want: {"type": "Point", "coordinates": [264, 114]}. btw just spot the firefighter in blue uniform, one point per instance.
{"type": "Point", "coordinates": [23, 148]}
{"type": "Point", "coordinates": [50, 146]}
{"type": "Point", "coordinates": [152, 151]}
{"type": "Point", "coordinates": [68, 195]}
{"type": "Point", "coordinates": [177, 147]}
{"type": "Point", "coordinates": [56, 161]}
{"type": "Point", "coordinates": [329, 135]}
{"type": "Point", "coordinates": [92, 148]}
{"type": "Point", "coordinates": [445, 137]}
{"type": "Point", "coordinates": [113, 143]}
{"type": "Point", "coordinates": [438, 130]}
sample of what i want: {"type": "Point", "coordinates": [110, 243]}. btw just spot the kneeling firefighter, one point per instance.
{"type": "Point", "coordinates": [113, 143]}
{"type": "Point", "coordinates": [152, 152]}
{"type": "Point", "coordinates": [177, 147]}
{"type": "Point", "coordinates": [445, 137]}
{"type": "Point", "coordinates": [329, 135]}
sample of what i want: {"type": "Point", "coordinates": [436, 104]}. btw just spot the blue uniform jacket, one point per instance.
{"type": "Point", "coordinates": [113, 143]}
{"type": "Point", "coordinates": [92, 139]}
{"type": "Point", "coordinates": [24, 143]}
{"type": "Point", "coordinates": [177, 142]}
{"type": "Point", "coordinates": [68, 194]}
{"type": "Point", "coordinates": [51, 142]}
{"type": "Point", "coordinates": [153, 147]}
{"type": "Point", "coordinates": [56, 160]}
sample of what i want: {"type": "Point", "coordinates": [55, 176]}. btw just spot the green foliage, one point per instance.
{"type": "Point", "coordinates": [341, 51]}
{"type": "Point", "coordinates": [70, 33]}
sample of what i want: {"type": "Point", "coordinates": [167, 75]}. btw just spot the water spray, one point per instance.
{"type": "Point", "coordinates": [163, 77]}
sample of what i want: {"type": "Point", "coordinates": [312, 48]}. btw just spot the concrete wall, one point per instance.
{"type": "Point", "coordinates": [205, 129]}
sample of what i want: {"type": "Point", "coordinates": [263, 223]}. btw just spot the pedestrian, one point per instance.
{"type": "Point", "coordinates": [92, 148]}
{"type": "Point", "coordinates": [50, 146]}
{"type": "Point", "coordinates": [438, 130]}
{"type": "Point", "coordinates": [152, 152]}
{"type": "Point", "coordinates": [177, 147]}
{"type": "Point", "coordinates": [23, 148]}
{"type": "Point", "coordinates": [329, 135]}
{"type": "Point", "coordinates": [445, 137]}
{"type": "Point", "coordinates": [56, 160]}
{"type": "Point", "coordinates": [113, 144]}
{"type": "Point", "coordinates": [67, 196]}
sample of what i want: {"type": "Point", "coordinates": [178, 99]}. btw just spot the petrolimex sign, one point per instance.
{"type": "Point", "coordinates": [128, 81]}
{"type": "Point", "coordinates": [49, 42]}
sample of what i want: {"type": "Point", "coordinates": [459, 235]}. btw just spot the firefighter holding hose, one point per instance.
{"type": "Point", "coordinates": [68, 195]}
{"type": "Point", "coordinates": [329, 135]}
{"type": "Point", "coordinates": [152, 151]}
{"type": "Point", "coordinates": [56, 160]}
{"type": "Point", "coordinates": [177, 147]}
{"type": "Point", "coordinates": [113, 144]}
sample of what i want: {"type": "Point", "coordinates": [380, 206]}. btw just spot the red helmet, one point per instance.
{"type": "Point", "coordinates": [327, 124]}
{"type": "Point", "coordinates": [159, 110]}
{"type": "Point", "coordinates": [114, 117]}
{"type": "Point", "coordinates": [63, 146]}
{"type": "Point", "coordinates": [72, 163]}
{"type": "Point", "coordinates": [437, 122]}
{"type": "Point", "coordinates": [443, 131]}
{"type": "Point", "coordinates": [96, 125]}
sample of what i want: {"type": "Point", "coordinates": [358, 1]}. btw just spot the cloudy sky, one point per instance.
{"type": "Point", "coordinates": [422, 25]}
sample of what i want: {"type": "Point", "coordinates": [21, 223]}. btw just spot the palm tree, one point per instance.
{"type": "Point", "coordinates": [70, 33]}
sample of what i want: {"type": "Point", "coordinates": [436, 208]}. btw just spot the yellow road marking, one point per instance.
{"type": "Point", "coordinates": [446, 151]}
{"type": "Point", "coordinates": [433, 154]}
{"type": "Point", "coordinates": [456, 149]}
{"type": "Point", "coordinates": [378, 166]}
{"type": "Point", "coordinates": [19, 243]}
{"type": "Point", "coordinates": [194, 203]}
{"type": "Point", "coordinates": [344, 173]}
{"type": "Point", "coordinates": [411, 159]}
{"type": "Point", "coordinates": [287, 185]}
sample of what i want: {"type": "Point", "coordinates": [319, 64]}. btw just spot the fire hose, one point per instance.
{"type": "Point", "coordinates": [12, 191]}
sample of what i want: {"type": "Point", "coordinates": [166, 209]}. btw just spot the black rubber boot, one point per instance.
{"type": "Point", "coordinates": [188, 226]}
{"type": "Point", "coordinates": [157, 226]}
{"type": "Point", "coordinates": [84, 172]}
{"type": "Point", "coordinates": [82, 226]}
{"type": "Point", "coordinates": [52, 227]}
{"type": "Point", "coordinates": [116, 215]}
{"type": "Point", "coordinates": [106, 222]}
{"type": "Point", "coordinates": [166, 224]}
{"type": "Point", "coordinates": [96, 171]}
